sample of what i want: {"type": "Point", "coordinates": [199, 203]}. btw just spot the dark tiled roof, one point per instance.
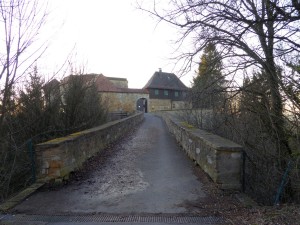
{"type": "Point", "coordinates": [133, 90]}
{"type": "Point", "coordinates": [162, 80]}
{"type": "Point", "coordinates": [105, 85]}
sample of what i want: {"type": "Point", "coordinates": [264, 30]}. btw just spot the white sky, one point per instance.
{"type": "Point", "coordinates": [110, 37]}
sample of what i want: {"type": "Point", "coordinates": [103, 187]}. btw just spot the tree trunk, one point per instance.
{"type": "Point", "coordinates": [276, 115]}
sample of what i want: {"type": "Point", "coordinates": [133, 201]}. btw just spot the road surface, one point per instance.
{"type": "Point", "coordinates": [147, 174]}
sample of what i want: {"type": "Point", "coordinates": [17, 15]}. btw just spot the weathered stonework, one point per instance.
{"type": "Point", "coordinates": [119, 82]}
{"type": "Point", "coordinates": [125, 102]}
{"type": "Point", "coordinates": [220, 158]}
{"type": "Point", "coordinates": [160, 104]}
{"type": "Point", "coordinates": [57, 158]}
{"type": "Point", "coordinates": [167, 104]}
{"type": "Point", "coordinates": [180, 105]}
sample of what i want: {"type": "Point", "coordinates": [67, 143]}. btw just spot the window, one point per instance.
{"type": "Point", "coordinates": [156, 92]}
{"type": "Point", "coordinates": [176, 93]}
{"type": "Point", "coordinates": [166, 92]}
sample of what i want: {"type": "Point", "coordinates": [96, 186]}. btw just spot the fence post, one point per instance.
{"type": "Point", "coordinates": [32, 158]}
{"type": "Point", "coordinates": [283, 182]}
{"type": "Point", "coordinates": [244, 172]}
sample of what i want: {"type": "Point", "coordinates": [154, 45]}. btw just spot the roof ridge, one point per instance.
{"type": "Point", "coordinates": [165, 80]}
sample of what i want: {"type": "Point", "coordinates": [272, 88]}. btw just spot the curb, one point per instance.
{"type": "Point", "coordinates": [12, 202]}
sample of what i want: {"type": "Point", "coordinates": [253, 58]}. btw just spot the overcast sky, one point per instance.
{"type": "Point", "coordinates": [109, 37]}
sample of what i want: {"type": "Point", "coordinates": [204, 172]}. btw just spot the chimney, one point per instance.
{"type": "Point", "coordinates": [159, 70]}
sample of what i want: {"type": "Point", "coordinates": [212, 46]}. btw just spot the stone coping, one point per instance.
{"type": "Point", "coordinates": [12, 202]}
{"type": "Point", "coordinates": [211, 139]}
{"type": "Point", "coordinates": [219, 157]}
{"type": "Point", "coordinates": [80, 134]}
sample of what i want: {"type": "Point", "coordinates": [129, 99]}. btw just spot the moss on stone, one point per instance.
{"type": "Point", "coordinates": [76, 134]}
{"type": "Point", "coordinates": [66, 171]}
{"type": "Point", "coordinates": [187, 125]}
{"type": "Point", "coordinates": [54, 141]}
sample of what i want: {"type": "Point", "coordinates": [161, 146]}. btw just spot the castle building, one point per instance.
{"type": "Point", "coordinates": [164, 91]}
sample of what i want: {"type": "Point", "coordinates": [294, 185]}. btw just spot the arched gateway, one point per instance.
{"type": "Point", "coordinates": [142, 105]}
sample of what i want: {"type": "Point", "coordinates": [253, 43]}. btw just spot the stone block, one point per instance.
{"type": "Point", "coordinates": [55, 164]}
{"type": "Point", "coordinates": [218, 157]}
{"type": "Point", "coordinates": [57, 158]}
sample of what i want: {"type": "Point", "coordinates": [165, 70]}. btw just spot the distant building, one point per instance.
{"type": "Point", "coordinates": [52, 92]}
{"type": "Point", "coordinates": [115, 92]}
{"type": "Point", "coordinates": [119, 82]}
{"type": "Point", "coordinates": [166, 92]}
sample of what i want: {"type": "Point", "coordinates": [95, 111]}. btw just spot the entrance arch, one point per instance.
{"type": "Point", "coordinates": [142, 105]}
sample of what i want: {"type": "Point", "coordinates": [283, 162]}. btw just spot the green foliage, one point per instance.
{"type": "Point", "coordinates": [38, 113]}
{"type": "Point", "coordinates": [255, 95]}
{"type": "Point", "coordinates": [209, 84]}
{"type": "Point", "coordinates": [252, 34]}
{"type": "Point", "coordinates": [211, 63]}
{"type": "Point", "coordinates": [82, 104]}
{"type": "Point", "coordinates": [295, 66]}
{"type": "Point", "coordinates": [31, 106]}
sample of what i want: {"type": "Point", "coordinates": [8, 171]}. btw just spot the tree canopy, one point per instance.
{"type": "Point", "coordinates": [257, 35]}
{"type": "Point", "coordinates": [208, 85]}
{"type": "Point", "coordinates": [258, 42]}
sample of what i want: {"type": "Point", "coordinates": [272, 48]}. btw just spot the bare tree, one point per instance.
{"type": "Point", "coordinates": [249, 34]}
{"type": "Point", "coordinates": [20, 24]}
{"type": "Point", "coordinates": [258, 40]}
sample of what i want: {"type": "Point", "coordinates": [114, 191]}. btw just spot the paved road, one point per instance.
{"type": "Point", "coordinates": [148, 174]}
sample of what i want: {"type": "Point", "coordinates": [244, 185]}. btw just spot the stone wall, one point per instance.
{"type": "Point", "coordinates": [167, 104]}
{"type": "Point", "coordinates": [218, 157]}
{"type": "Point", "coordinates": [177, 105]}
{"type": "Point", "coordinates": [119, 82]}
{"type": "Point", "coordinates": [56, 158]}
{"type": "Point", "coordinates": [126, 102]}
{"type": "Point", "coordinates": [160, 104]}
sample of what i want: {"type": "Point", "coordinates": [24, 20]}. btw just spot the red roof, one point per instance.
{"type": "Point", "coordinates": [105, 85]}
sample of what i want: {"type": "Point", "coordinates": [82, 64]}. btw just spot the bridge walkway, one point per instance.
{"type": "Point", "coordinates": [146, 175]}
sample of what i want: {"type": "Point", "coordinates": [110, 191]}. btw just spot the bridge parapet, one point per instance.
{"type": "Point", "coordinates": [57, 158]}
{"type": "Point", "coordinates": [220, 158]}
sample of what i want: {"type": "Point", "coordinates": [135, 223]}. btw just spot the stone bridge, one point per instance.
{"type": "Point", "coordinates": [218, 157]}
{"type": "Point", "coordinates": [146, 178]}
